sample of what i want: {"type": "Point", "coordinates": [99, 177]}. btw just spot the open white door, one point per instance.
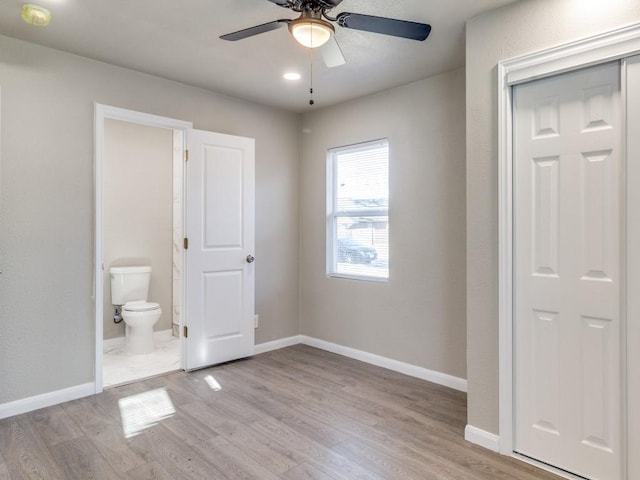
{"type": "Point", "coordinates": [219, 305]}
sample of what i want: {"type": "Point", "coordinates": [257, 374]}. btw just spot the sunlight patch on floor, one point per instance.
{"type": "Point", "coordinates": [144, 410]}
{"type": "Point", "coordinates": [213, 383]}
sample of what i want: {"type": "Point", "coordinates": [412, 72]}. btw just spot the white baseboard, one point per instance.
{"type": "Point", "coordinates": [481, 437]}
{"type": "Point", "coordinates": [395, 365]}
{"type": "Point", "coordinates": [46, 400]}
{"type": "Point", "coordinates": [110, 343]}
{"type": "Point", "coordinates": [277, 344]}
{"type": "Point", "coordinates": [371, 358]}
{"type": "Point", "coordinates": [471, 433]}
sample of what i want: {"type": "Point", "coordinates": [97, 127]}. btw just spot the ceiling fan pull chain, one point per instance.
{"type": "Point", "coordinates": [311, 102]}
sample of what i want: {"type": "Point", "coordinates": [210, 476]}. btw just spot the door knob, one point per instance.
{"type": "Point", "coordinates": [250, 258]}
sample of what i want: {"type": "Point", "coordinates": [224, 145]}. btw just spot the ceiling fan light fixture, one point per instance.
{"type": "Point", "coordinates": [36, 15]}
{"type": "Point", "coordinates": [311, 32]}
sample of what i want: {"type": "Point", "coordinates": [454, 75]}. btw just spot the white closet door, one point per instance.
{"type": "Point", "coordinates": [567, 217]}
{"type": "Point", "coordinates": [633, 262]}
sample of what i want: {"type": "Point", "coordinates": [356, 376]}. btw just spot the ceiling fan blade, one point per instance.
{"type": "Point", "coordinates": [332, 54]}
{"type": "Point", "coordinates": [386, 26]}
{"type": "Point", "coordinates": [258, 29]}
{"type": "Point", "coordinates": [282, 3]}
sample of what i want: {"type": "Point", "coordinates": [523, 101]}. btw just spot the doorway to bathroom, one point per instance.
{"type": "Point", "coordinates": [139, 222]}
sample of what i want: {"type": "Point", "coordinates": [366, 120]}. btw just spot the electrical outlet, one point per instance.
{"type": "Point", "coordinates": [255, 321]}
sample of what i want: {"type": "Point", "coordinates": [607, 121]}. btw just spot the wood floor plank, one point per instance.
{"type": "Point", "coordinates": [396, 465]}
{"type": "Point", "coordinates": [179, 395]}
{"type": "Point", "coordinates": [452, 415]}
{"type": "Point", "coordinates": [234, 463]}
{"type": "Point", "coordinates": [181, 461]}
{"type": "Point", "coordinates": [108, 399]}
{"type": "Point", "coordinates": [351, 382]}
{"type": "Point", "coordinates": [283, 410]}
{"type": "Point", "coordinates": [105, 434]}
{"type": "Point", "coordinates": [305, 472]}
{"type": "Point", "coordinates": [359, 402]}
{"type": "Point", "coordinates": [265, 450]}
{"type": "Point", "coordinates": [378, 439]}
{"type": "Point", "coordinates": [54, 425]}
{"type": "Point", "coordinates": [293, 414]}
{"type": "Point", "coordinates": [196, 383]}
{"type": "Point", "coordinates": [212, 415]}
{"type": "Point", "coordinates": [26, 455]}
{"type": "Point", "coordinates": [149, 471]}
{"type": "Point", "coordinates": [325, 459]}
{"type": "Point", "coordinates": [311, 391]}
{"type": "Point", "coordinates": [79, 459]}
{"type": "Point", "coordinates": [386, 380]}
{"type": "Point", "coordinates": [188, 429]}
{"type": "Point", "coordinates": [261, 448]}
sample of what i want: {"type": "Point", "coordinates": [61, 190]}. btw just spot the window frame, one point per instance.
{"type": "Point", "coordinates": [332, 215]}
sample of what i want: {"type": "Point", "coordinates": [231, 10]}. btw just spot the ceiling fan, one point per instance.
{"type": "Point", "coordinates": [314, 27]}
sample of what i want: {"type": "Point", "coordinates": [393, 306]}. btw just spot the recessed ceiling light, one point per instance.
{"type": "Point", "coordinates": [35, 15]}
{"type": "Point", "coordinates": [291, 76]}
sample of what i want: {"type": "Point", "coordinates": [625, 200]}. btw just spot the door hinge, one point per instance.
{"type": "Point", "coordinates": [186, 243]}
{"type": "Point", "coordinates": [186, 155]}
{"type": "Point", "coordinates": [185, 331]}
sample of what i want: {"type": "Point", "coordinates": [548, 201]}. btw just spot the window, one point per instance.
{"type": "Point", "coordinates": [358, 211]}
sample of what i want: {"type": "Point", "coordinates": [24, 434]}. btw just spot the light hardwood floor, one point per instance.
{"type": "Point", "coordinates": [296, 414]}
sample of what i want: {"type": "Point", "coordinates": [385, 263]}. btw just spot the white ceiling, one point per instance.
{"type": "Point", "coordinates": [178, 40]}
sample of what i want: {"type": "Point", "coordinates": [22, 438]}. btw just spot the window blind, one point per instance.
{"type": "Point", "coordinates": [358, 216]}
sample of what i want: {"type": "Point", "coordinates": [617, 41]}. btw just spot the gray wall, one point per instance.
{"type": "Point", "coordinates": [47, 324]}
{"type": "Point", "coordinates": [523, 27]}
{"type": "Point", "coordinates": [138, 212]}
{"type": "Point", "coordinates": [419, 316]}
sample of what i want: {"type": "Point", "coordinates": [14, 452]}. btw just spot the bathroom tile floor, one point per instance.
{"type": "Point", "coordinates": [120, 367]}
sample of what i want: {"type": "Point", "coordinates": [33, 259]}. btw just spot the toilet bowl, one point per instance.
{"type": "Point", "coordinates": [129, 290]}
{"type": "Point", "coordinates": [139, 318]}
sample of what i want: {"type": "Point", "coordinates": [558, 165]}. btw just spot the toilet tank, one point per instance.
{"type": "Point", "coordinates": [129, 284]}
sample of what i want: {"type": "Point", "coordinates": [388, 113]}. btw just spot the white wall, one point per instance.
{"type": "Point", "coordinates": [520, 28]}
{"type": "Point", "coordinates": [419, 316]}
{"type": "Point", "coordinates": [138, 208]}
{"type": "Point", "coordinates": [46, 206]}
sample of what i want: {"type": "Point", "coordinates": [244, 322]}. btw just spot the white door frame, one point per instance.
{"type": "Point", "coordinates": [598, 49]}
{"type": "Point", "coordinates": [102, 112]}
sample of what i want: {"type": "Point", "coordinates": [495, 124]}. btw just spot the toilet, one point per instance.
{"type": "Point", "coordinates": [129, 290]}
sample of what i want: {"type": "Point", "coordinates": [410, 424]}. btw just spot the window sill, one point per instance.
{"type": "Point", "coordinates": [362, 278]}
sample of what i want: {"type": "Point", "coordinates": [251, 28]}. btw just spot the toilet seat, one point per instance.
{"type": "Point", "coordinates": [140, 306]}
